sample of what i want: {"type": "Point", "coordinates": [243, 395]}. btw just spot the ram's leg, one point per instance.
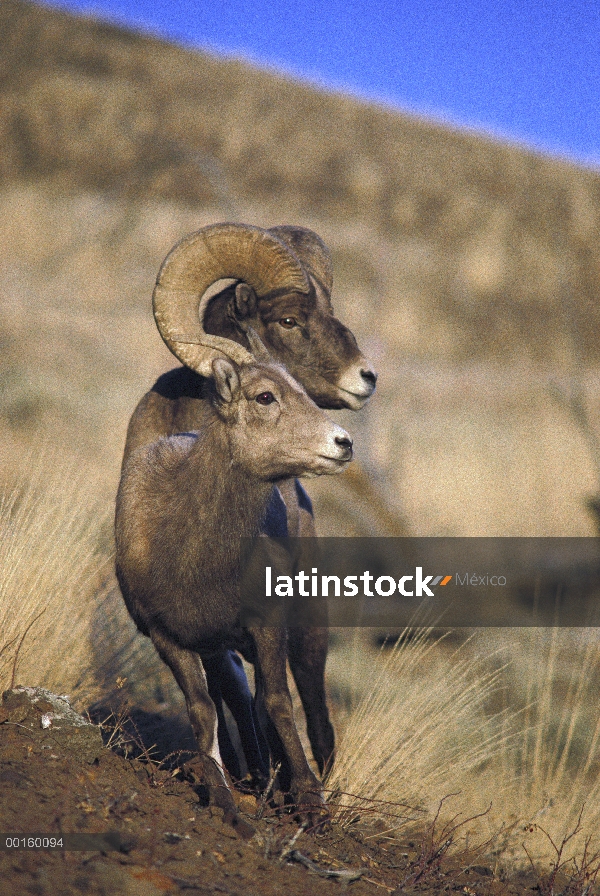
{"type": "Point", "coordinates": [271, 669]}
{"type": "Point", "coordinates": [189, 675]}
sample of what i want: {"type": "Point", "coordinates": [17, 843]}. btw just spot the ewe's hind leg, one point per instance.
{"type": "Point", "coordinates": [238, 697]}
{"type": "Point", "coordinates": [189, 675]}
{"type": "Point", "coordinates": [213, 670]}
{"type": "Point", "coordinates": [271, 670]}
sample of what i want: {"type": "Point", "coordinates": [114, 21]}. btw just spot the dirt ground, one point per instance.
{"type": "Point", "coordinates": [58, 778]}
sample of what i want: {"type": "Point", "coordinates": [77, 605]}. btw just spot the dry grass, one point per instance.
{"type": "Point", "coordinates": [421, 729]}
{"type": "Point", "coordinates": [518, 744]}
{"type": "Point", "coordinates": [53, 574]}
{"type": "Point", "coordinates": [550, 783]}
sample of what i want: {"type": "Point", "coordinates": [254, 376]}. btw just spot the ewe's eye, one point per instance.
{"type": "Point", "coordinates": [265, 398]}
{"type": "Point", "coordinates": [288, 322]}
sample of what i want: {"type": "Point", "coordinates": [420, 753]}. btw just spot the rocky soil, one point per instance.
{"type": "Point", "coordinates": [156, 835]}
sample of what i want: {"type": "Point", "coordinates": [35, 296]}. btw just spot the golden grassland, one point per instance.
{"type": "Point", "coordinates": [469, 268]}
{"type": "Point", "coordinates": [469, 271]}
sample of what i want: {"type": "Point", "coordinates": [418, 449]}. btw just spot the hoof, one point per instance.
{"type": "Point", "coordinates": [311, 810]}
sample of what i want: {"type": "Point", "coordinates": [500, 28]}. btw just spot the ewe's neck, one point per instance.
{"type": "Point", "coordinates": [226, 499]}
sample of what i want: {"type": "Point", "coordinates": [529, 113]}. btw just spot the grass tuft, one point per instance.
{"type": "Point", "coordinates": [508, 723]}
{"type": "Point", "coordinates": [53, 574]}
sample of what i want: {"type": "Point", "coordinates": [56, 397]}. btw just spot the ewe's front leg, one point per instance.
{"type": "Point", "coordinates": [307, 652]}
{"type": "Point", "coordinates": [271, 671]}
{"type": "Point", "coordinates": [307, 645]}
{"type": "Point", "coordinates": [189, 675]}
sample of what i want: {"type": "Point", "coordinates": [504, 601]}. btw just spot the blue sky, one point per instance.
{"type": "Point", "coordinates": [528, 70]}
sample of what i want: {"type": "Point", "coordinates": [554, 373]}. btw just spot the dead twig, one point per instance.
{"type": "Point", "coordinates": [267, 792]}
{"type": "Point", "coordinates": [8, 645]}
{"type": "Point", "coordinates": [289, 847]}
{"type": "Point", "coordinates": [436, 844]}
{"type": "Point", "coordinates": [23, 636]}
{"type": "Point", "coordinates": [581, 874]}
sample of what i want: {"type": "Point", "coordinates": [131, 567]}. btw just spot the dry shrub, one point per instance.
{"type": "Point", "coordinates": [54, 572]}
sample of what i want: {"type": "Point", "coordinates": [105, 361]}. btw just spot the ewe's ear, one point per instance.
{"type": "Point", "coordinates": [246, 302]}
{"type": "Point", "coordinates": [227, 380]}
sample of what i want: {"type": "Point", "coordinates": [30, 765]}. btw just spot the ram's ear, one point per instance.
{"type": "Point", "coordinates": [246, 302]}
{"type": "Point", "coordinates": [227, 380]}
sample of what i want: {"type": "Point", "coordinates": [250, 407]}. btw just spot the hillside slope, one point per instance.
{"type": "Point", "coordinates": [469, 269]}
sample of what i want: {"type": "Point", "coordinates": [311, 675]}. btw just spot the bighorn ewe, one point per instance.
{"type": "Point", "coordinates": [282, 288]}
{"type": "Point", "coordinates": [183, 503]}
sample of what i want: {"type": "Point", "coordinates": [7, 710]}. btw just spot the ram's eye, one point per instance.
{"type": "Point", "coordinates": [288, 322]}
{"type": "Point", "coordinates": [265, 398]}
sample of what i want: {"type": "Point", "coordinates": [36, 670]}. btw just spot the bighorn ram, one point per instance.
{"type": "Point", "coordinates": [282, 288]}
{"type": "Point", "coordinates": [183, 503]}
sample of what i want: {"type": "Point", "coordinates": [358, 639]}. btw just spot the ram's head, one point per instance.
{"type": "Point", "coordinates": [278, 282]}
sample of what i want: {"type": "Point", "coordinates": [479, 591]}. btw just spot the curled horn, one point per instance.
{"type": "Point", "coordinates": [217, 252]}
{"type": "Point", "coordinates": [310, 249]}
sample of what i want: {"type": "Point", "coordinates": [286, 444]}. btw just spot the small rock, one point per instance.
{"type": "Point", "coordinates": [172, 837]}
{"type": "Point", "coordinates": [52, 716]}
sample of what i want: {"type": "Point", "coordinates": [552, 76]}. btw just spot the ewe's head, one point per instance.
{"type": "Point", "coordinates": [274, 429]}
{"type": "Point", "coordinates": [282, 282]}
